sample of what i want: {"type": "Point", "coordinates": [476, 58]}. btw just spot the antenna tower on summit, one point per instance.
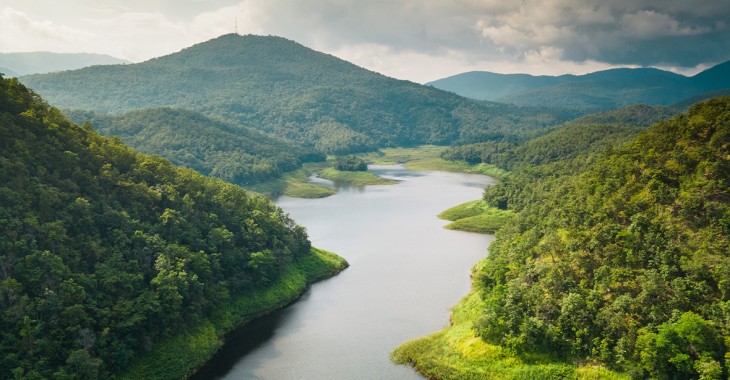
{"type": "Point", "coordinates": [235, 24]}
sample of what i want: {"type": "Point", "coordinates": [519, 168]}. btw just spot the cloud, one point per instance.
{"type": "Point", "coordinates": [405, 38]}
{"type": "Point", "coordinates": [37, 33]}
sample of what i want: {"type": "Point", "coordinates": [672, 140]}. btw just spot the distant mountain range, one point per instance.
{"type": "Point", "coordinates": [588, 93]}
{"type": "Point", "coordinates": [283, 88]}
{"type": "Point", "coordinates": [17, 64]}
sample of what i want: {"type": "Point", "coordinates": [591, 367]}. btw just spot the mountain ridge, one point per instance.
{"type": "Point", "coordinates": [592, 92]}
{"type": "Point", "coordinates": [286, 89]}
{"type": "Point", "coordinates": [45, 62]}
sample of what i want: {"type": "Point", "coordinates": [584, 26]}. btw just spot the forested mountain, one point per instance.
{"type": "Point", "coordinates": [588, 93]}
{"type": "Point", "coordinates": [46, 62]}
{"type": "Point", "coordinates": [588, 134]}
{"type": "Point", "coordinates": [238, 155]}
{"type": "Point", "coordinates": [105, 252]}
{"type": "Point", "coordinates": [286, 89]}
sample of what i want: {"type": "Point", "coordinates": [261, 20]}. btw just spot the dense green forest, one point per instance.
{"type": "Point", "coordinates": [619, 257]}
{"type": "Point", "coordinates": [587, 134]}
{"type": "Point", "coordinates": [107, 253]}
{"type": "Point", "coordinates": [238, 155]}
{"type": "Point", "coordinates": [285, 89]}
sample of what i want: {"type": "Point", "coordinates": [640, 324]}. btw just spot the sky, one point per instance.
{"type": "Point", "coordinates": [417, 40]}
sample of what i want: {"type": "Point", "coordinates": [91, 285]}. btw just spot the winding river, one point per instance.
{"type": "Point", "coordinates": [406, 271]}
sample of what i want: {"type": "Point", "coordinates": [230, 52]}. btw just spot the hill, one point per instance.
{"type": "Point", "coordinates": [239, 155]}
{"type": "Point", "coordinates": [46, 62]}
{"type": "Point", "coordinates": [619, 263]}
{"type": "Point", "coordinates": [588, 134]}
{"type": "Point", "coordinates": [588, 93]}
{"type": "Point", "coordinates": [116, 263]}
{"type": "Point", "coordinates": [286, 89]}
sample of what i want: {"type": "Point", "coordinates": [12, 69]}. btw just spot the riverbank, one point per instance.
{"type": "Point", "coordinates": [181, 355]}
{"type": "Point", "coordinates": [457, 353]}
{"type": "Point", "coordinates": [476, 216]}
{"type": "Point", "coordinates": [297, 184]}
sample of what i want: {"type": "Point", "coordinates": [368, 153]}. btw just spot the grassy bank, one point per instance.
{"type": "Point", "coordinates": [292, 184]}
{"type": "Point", "coordinates": [476, 216]}
{"type": "Point", "coordinates": [354, 178]}
{"type": "Point", "coordinates": [428, 157]}
{"type": "Point", "coordinates": [179, 356]}
{"type": "Point", "coordinates": [456, 353]}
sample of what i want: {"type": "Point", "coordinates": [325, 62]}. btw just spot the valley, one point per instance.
{"type": "Point", "coordinates": [166, 219]}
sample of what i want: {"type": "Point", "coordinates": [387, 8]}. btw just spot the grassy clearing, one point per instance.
{"type": "Point", "coordinates": [179, 356]}
{"type": "Point", "coordinates": [292, 184]}
{"type": "Point", "coordinates": [476, 216]}
{"type": "Point", "coordinates": [428, 157]}
{"type": "Point", "coordinates": [354, 178]}
{"type": "Point", "coordinates": [456, 353]}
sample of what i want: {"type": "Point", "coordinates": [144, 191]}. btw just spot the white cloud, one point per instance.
{"type": "Point", "coordinates": [37, 34]}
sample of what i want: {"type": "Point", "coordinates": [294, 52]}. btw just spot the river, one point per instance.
{"type": "Point", "coordinates": [405, 272]}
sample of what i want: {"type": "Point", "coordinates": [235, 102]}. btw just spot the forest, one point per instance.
{"type": "Point", "coordinates": [284, 89]}
{"type": "Point", "coordinates": [106, 252]}
{"type": "Point", "coordinates": [616, 256]}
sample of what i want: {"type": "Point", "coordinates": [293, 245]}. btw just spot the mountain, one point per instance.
{"type": "Point", "coordinates": [238, 155]}
{"type": "Point", "coordinates": [44, 62]}
{"type": "Point", "coordinates": [116, 264]}
{"type": "Point", "coordinates": [7, 72]}
{"type": "Point", "coordinates": [617, 261]}
{"type": "Point", "coordinates": [286, 89]}
{"type": "Point", "coordinates": [588, 93]}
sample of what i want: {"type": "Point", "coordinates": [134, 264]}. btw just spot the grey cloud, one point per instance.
{"type": "Point", "coordinates": [641, 32]}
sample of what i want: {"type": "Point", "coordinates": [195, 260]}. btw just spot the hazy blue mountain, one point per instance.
{"type": "Point", "coordinates": [589, 93]}
{"type": "Point", "coordinates": [46, 62]}
{"type": "Point", "coordinates": [7, 72]}
{"type": "Point", "coordinates": [284, 88]}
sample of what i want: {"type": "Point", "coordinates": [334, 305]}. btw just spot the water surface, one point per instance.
{"type": "Point", "coordinates": [405, 273]}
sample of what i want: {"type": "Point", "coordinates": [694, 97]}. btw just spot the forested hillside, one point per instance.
{"type": "Point", "coordinates": [238, 155]}
{"type": "Point", "coordinates": [593, 92]}
{"type": "Point", "coordinates": [588, 134]}
{"type": "Point", "coordinates": [106, 253]}
{"type": "Point", "coordinates": [281, 87]}
{"type": "Point", "coordinates": [620, 258]}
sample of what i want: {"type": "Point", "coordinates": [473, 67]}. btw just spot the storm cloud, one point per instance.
{"type": "Point", "coordinates": [414, 39]}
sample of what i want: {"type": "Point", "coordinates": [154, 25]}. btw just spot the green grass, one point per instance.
{"type": "Point", "coordinates": [179, 356]}
{"type": "Point", "coordinates": [428, 157]}
{"type": "Point", "coordinates": [354, 178]}
{"type": "Point", "coordinates": [292, 184]}
{"type": "Point", "coordinates": [456, 353]}
{"type": "Point", "coordinates": [476, 216]}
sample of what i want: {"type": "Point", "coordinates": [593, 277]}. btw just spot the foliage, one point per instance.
{"type": "Point", "coordinates": [106, 251]}
{"type": "Point", "coordinates": [476, 216]}
{"type": "Point", "coordinates": [350, 164]}
{"type": "Point", "coordinates": [354, 178]}
{"type": "Point", "coordinates": [238, 155]}
{"type": "Point", "coordinates": [621, 257]}
{"type": "Point", "coordinates": [288, 90]}
{"type": "Point", "coordinates": [592, 133]}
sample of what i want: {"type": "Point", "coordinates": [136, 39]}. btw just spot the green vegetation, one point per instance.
{"type": "Point", "coordinates": [457, 353]}
{"type": "Point", "coordinates": [108, 253]}
{"type": "Point", "coordinates": [428, 157]}
{"type": "Point", "coordinates": [350, 163]}
{"type": "Point", "coordinates": [354, 178]}
{"type": "Point", "coordinates": [616, 257]}
{"type": "Point", "coordinates": [476, 216]}
{"type": "Point", "coordinates": [588, 93]}
{"type": "Point", "coordinates": [179, 356]}
{"type": "Point", "coordinates": [243, 156]}
{"type": "Point", "coordinates": [309, 98]}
